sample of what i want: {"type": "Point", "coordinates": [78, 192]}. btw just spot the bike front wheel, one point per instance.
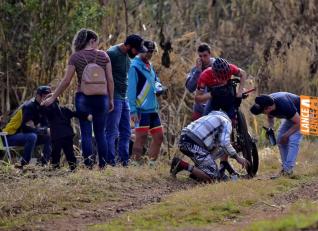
{"type": "Point", "coordinates": [247, 144]}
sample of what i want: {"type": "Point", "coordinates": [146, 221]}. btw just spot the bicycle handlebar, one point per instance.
{"type": "Point", "coordinates": [249, 91]}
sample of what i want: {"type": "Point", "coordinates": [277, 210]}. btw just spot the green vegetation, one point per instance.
{"type": "Point", "coordinates": [300, 216]}
{"type": "Point", "coordinates": [274, 41]}
{"type": "Point", "coordinates": [202, 206]}
{"type": "Point", "coordinates": [205, 206]}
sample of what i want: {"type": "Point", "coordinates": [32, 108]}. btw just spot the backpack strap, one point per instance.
{"type": "Point", "coordinates": [94, 58]}
{"type": "Point", "coordinates": [85, 59]}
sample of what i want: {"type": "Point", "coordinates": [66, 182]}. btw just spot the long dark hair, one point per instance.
{"type": "Point", "coordinates": [82, 37]}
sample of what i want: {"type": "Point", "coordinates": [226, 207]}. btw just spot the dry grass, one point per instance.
{"type": "Point", "coordinates": [40, 195]}
{"type": "Point", "coordinates": [204, 206]}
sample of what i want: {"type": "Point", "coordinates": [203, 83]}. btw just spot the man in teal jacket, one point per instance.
{"type": "Point", "coordinates": [142, 81]}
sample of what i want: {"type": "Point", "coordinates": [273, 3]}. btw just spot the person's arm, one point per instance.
{"type": "Point", "coordinates": [27, 125]}
{"type": "Point", "coordinates": [225, 143]}
{"type": "Point", "coordinates": [132, 91]}
{"type": "Point", "coordinates": [243, 77]}
{"type": "Point", "coordinates": [157, 79]}
{"type": "Point", "coordinates": [110, 85]}
{"type": "Point", "coordinates": [270, 121]}
{"type": "Point", "coordinates": [192, 79]}
{"type": "Point", "coordinates": [201, 96]}
{"type": "Point", "coordinates": [61, 86]}
{"type": "Point", "coordinates": [225, 139]}
{"type": "Point", "coordinates": [296, 126]}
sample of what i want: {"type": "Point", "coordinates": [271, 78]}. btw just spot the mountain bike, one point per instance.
{"type": "Point", "coordinates": [241, 137]}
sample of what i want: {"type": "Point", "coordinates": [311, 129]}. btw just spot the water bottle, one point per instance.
{"type": "Point", "coordinates": [272, 138]}
{"type": "Point", "coordinates": [270, 135]}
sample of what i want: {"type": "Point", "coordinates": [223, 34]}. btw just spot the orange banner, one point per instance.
{"type": "Point", "coordinates": [309, 115]}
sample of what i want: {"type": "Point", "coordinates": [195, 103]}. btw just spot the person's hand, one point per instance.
{"type": "Point", "coordinates": [239, 94]}
{"type": "Point", "coordinates": [242, 161]}
{"type": "Point", "coordinates": [198, 63]}
{"type": "Point", "coordinates": [134, 117]}
{"type": "Point", "coordinates": [90, 117]}
{"type": "Point", "coordinates": [111, 105]}
{"type": "Point", "coordinates": [48, 95]}
{"type": "Point", "coordinates": [283, 139]}
{"type": "Point", "coordinates": [30, 123]}
{"type": "Point", "coordinates": [48, 101]}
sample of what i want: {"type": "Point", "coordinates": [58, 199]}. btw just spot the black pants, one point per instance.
{"type": "Point", "coordinates": [65, 144]}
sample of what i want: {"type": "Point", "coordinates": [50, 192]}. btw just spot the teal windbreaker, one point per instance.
{"type": "Point", "coordinates": [141, 87]}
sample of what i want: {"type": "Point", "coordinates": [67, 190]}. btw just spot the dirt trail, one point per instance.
{"type": "Point", "coordinates": [79, 219]}
{"type": "Point", "coordinates": [276, 207]}
{"type": "Point", "coordinates": [137, 198]}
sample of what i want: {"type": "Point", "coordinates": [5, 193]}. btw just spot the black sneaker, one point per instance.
{"type": "Point", "coordinates": [18, 166]}
{"type": "Point", "coordinates": [282, 173]}
{"type": "Point", "coordinates": [175, 166]}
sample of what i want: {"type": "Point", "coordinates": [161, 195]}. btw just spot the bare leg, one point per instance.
{"type": "Point", "coordinates": [141, 138]}
{"type": "Point", "coordinates": [157, 139]}
{"type": "Point", "coordinates": [202, 176]}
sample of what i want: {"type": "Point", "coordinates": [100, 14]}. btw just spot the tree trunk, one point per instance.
{"type": "Point", "coordinates": [126, 17]}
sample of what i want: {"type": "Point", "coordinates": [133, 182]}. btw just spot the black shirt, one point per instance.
{"type": "Point", "coordinates": [60, 121]}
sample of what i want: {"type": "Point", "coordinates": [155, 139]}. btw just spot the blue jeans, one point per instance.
{"type": "Point", "coordinates": [97, 106]}
{"type": "Point", "coordinates": [118, 126]}
{"type": "Point", "coordinates": [29, 141]}
{"type": "Point", "coordinates": [288, 151]}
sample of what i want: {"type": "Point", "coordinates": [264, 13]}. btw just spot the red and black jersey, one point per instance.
{"type": "Point", "coordinates": [209, 79]}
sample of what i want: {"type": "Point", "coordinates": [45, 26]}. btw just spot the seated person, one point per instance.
{"type": "Point", "coordinates": [28, 128]}
{"type": "Point", "coordinates": [205, 140]}
{"type": "Point", "coordinates": [62, 133]}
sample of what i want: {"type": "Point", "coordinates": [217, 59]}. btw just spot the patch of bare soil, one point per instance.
{"type": "Point", "coordinates": [135, 199]}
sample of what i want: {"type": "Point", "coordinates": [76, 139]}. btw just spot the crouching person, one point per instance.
{"type": "Point", "coordinates": [28, 128]}
{"type": "Point", "coordinates": [205, 140]}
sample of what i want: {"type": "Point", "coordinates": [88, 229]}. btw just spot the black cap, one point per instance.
{"type": "Point", "coordinates": [261, 102]}
{"type": "Point", "coordinates": [150, 45]}
{"type": "Point", "coordinates": [136, 42]}
{"type": "Point", "coordinates": [43, 90]}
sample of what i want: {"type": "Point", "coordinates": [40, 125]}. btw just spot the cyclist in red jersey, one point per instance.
{"type": "Point", "coordinates": [213, 87]}
{"type": "Point", "coordinates": [219, 95]}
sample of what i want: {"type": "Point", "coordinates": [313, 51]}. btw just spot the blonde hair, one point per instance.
{"type": "Point", "coordinates": [82, 37]}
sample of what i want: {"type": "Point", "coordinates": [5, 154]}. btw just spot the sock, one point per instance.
{"type": "Point", "coordinates": [184, 165]}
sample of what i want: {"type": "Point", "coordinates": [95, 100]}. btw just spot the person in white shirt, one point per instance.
{"type": "Point", "coordinates": [205, 140]}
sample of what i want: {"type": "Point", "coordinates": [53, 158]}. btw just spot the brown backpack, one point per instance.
{"type": "Point", "coordinates": [93, 79]}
